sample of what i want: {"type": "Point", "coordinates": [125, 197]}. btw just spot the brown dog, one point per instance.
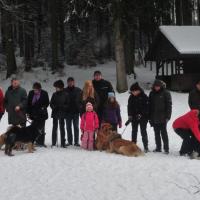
{"type": "Point", "coordinates": [121, 146]}
{"type": "Point", "coordinates": [102, 137]}
{"type": "Point", "coordinates": [112, 142]}
{"type": "Point", "coordinates": [2, 139]}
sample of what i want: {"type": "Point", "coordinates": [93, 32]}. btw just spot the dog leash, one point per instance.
{"type": "Point", "coordinates": [124, 130]}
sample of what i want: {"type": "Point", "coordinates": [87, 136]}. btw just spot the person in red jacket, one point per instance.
{"type": "Point", "coordinates": [89, 124]}
{"type": "Point", "coordinates": [1, 104]}
{"type": "Point", "coordinates": [188, 128]}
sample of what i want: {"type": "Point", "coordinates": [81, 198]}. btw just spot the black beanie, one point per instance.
{"type": "Point", "coordinates": [135, 86]}
{"type": "Point", "coordinates": [59, 84]}
{"type": "Point", "coordinates": [158, 83]}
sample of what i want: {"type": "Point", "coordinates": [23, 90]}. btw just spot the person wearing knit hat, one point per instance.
{"type": "Point", "coordinates": [111, 112]}
{"type": "Point", "coordinates": [135, 86]}
{"type": "Point", "coordinates": [160, 113]}
{"type": "Point", "coordinates": [138, 113]}
{"type": "Point", "coordinates": [89, 107]}
{"type": "Point", "coordinates": [89, 125]}
{"type": "Point", "coordinates": [59, 104]}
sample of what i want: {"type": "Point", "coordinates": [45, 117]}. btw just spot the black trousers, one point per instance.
{"type": "Point", "coordinates": [143, 130]}
{"type": "Point", "coordinates": [190, 143]}
{"type": "Point", "coordinates": [72, 118]}
{"type": "Point", "coordinates": [41, 127]}
{"type": "Point", "coordinates": [55, 131]}
{"type": "Point", "coordinates": [161, 131]}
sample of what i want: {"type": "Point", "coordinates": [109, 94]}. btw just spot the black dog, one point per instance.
{"type": "Point", "coordinates": [21, 134]}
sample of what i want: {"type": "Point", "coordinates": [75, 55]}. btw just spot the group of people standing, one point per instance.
{"type": "Point", "coordinates": [67, 103]}
{"type": "Point", "coordinates": [96, 103]}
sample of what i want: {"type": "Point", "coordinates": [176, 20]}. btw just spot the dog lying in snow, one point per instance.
{"type": "Point", "coordinates": [16, 135]}
{"type": "Point", "coordinates": [112, 142]}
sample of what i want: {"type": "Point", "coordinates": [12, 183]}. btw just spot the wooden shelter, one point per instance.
{"type": "Point", "coordinates": [176, 51]}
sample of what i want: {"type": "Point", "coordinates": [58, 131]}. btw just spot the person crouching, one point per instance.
{"type": "Point", "coordinates": [187, 127]}
{"type": "Point", "coordinates": [89, 124]}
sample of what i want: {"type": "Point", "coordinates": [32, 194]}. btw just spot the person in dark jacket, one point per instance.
{"type": "Point", "coordinates": [1, 104]}
{"type": "Point", "coordinates": [194, 97]}
{"type": "Point", "coordinates": [102, 88]}
{"type": "Point", "coordinates": [59, 104]}
{"type": "Point", "coordinates": [138, 113]}
{"type": "Point", "coordinates": [111, 112]}
{"type": "Point", "coordinates": [188, 128]}
{"type": "Point", "coordinates": [73, 111]}
{"type": "Point", "coordinates": [38, 101]}
{"type": "Point", "coordinates": [15, 103]}
{"type": "Point", "coordinates": [160, 113]}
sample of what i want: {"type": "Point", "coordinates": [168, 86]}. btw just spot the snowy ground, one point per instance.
{"type": "Point", "coordinates": [60, 174]}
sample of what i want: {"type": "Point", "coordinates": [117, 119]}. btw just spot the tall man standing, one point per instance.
{"type": "Point", "coordinates": [73, 111]}
{"type": "Point", "coordinates": [15, 103]}
{"type": "Point", "coordinates": [102, 88]}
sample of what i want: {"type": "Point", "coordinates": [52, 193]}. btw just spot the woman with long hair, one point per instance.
{"type": "Point", "coordinates": [88, 95]}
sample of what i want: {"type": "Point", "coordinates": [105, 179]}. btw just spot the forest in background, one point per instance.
{"type": "Point", "coordinates": [50, 33]}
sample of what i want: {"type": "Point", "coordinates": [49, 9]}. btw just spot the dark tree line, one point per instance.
{"type": "Point", "coordinates": [86, 32]}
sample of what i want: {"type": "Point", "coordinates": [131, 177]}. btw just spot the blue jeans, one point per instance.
{"type": "Point", "coordinates": [72, 118]}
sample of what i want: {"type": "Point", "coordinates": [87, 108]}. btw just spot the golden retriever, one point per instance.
{"type": "Point", "coordinates": [112, 142]}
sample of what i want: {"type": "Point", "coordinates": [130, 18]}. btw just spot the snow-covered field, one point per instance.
{"type": "Point", "coordinates": [73, 173]}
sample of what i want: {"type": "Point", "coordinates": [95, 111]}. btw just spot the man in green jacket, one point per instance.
{"type": "Point", "coordinates": [15, 103]}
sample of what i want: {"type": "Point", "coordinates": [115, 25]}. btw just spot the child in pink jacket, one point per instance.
{"type": "Point", "coordinates": [89, 124]}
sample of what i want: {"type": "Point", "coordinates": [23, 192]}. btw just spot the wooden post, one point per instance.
{"type": "Point", "coordinates": [157, 68]}
{"type": "Point", "coordinates": [163, 68]}
{"type": "Point", "coordinates": [172, 68]}
{"type": "Point", "coordinates": [167, 73]}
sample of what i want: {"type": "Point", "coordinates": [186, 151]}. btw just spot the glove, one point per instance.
{"type": "Point", "coordinates": [127, 122]}
{"type": "Point", "coordinates": [120, 124]}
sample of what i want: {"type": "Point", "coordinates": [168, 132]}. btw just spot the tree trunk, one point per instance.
{"type": "Point", "coordinates": [3, 35]}
{"type": "Point", "coordinates": [198, 11]}
{"type": "Point", "coordinates": [179, 12]}
{"type": "Point", "coordinates": [122, 85]}
{"type": "Point", "coordinates": [61, 29]}
{"type": "Point", "coordinates": [129, 52]}
{"type": "Point", "coordinates": [28, 41]}
{"type": "Point", "coordinates": [187, 12]}
{"type": "Point", "coordinates": [54, 34]}
{"type": "Point", "coordinates": [10, 52]}
{"type": "Point", "coordinates": [39, 28]}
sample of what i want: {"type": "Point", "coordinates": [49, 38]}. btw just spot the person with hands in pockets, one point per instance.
{"type": "Point", "coordinates": [89, 125]}
{"type": "Point", "coordinates": [59, 104]}
{"type": "Point", "coordinates": [160, 103]}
